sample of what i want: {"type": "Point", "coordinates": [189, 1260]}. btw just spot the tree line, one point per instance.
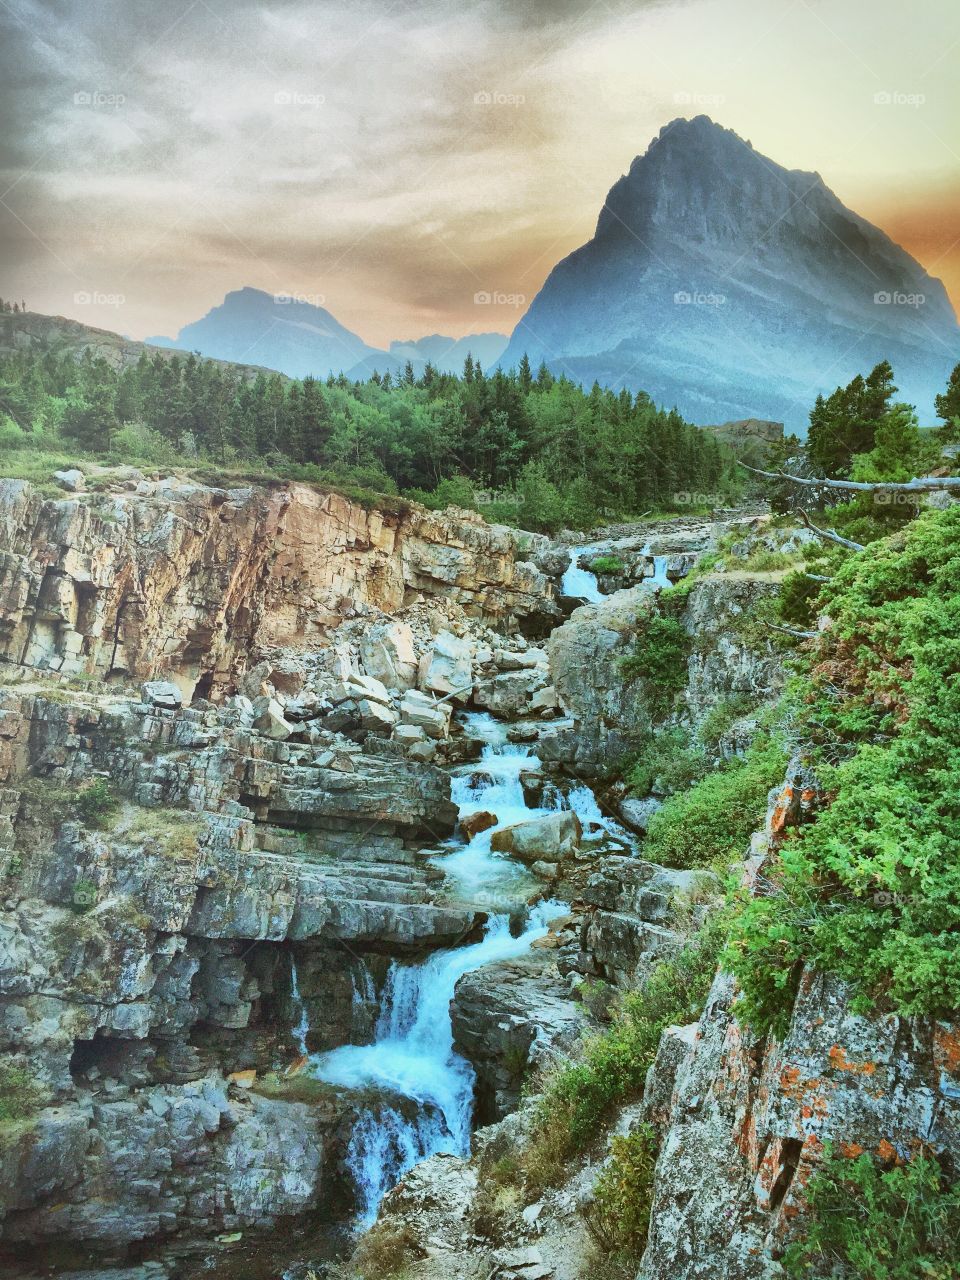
{"type": "Point", "coordinates": [533, 444]}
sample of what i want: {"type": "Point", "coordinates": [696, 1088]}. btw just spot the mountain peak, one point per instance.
{"type": "Point", "coordinates": [785, 287]}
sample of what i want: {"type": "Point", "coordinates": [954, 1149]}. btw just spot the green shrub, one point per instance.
{"type": "Point", "coordinates": [96, 803]}
{"type": "Point", "coordinates": [666, 762]}
{"type": "Point", "coordinates": [619, 1215]}
{"type": "Point", "coordinates": [607, 564]}
{"type": "Point", "coordinates": [659, 658]}
{"type": "Point", "coordinates": [721, 717]}
{"type": "Point", "coordinates": [798, 595]}
{"type": "Point", "coordinates": [871, 889]}
{"type": "Point", "coordinates": [876, 1223]}
{"type": "Point", "coordinates": [20, 1095]}
{"type": "Point", "coordinates": [715, 819]}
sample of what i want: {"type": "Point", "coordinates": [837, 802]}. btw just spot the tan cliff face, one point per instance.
{"type": "Point", "coordinates": [190, 582]}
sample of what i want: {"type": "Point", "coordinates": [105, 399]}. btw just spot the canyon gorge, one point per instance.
{"type": "Point", "coordinates": [314, 857]}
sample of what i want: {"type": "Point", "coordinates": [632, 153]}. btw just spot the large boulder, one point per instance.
{"type": "Point", "coordinates": [510, 693]}
{"type": "Point", "coordinates": [430, 716]}
{"type": "Point", "coordinates": [388, 655]}
{"type": "Point", "coordinates": [162, 693]}
{"type": "Point", "coordinates": [446, 668]}
{"type": "Point", "coordinates": [268, 719]}
{"type": "Point", "coordinates": [551, 838]}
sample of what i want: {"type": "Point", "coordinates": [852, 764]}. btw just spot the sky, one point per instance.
{"type": "Point", "coordinates": [394, 161]}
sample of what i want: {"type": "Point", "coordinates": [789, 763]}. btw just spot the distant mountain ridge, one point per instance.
{"type": "Point", "coordinates": [724, 284]}
{"type": "Point", "coordinates": [300, 338]}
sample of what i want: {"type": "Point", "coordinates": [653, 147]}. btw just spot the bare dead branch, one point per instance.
{"type": "Point", "coordinates": [792, 631]}
{"type": "Point", "coordinates": [920, 484]}
{"type": "Point", "coordinates": [830, 535]}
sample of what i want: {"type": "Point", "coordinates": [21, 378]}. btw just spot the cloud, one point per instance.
{"type": "Point", "coordinates": [396, 157]}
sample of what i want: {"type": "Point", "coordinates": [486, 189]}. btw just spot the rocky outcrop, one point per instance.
{"type": "Point", "coordinates": [746, 1123]}
{"type": "Point", "coordinates": [174, 579]}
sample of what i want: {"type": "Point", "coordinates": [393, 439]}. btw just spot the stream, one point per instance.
{"type": "Point", "coordinates": [423, 1088]}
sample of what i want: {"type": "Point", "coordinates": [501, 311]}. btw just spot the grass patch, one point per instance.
{"type": "Point", "coordinates": [384, 1252]}
{"type": "Point", "coordinates": [607, 564]}
{"type": "Point", "coordinates": [21, 1096]}
{"type": "Point", "coordinates": [618, 1218]}
{"type": "Point", "coordinates": [714, 820]}
{"type": "Point", "coordinates": [580, 1096]}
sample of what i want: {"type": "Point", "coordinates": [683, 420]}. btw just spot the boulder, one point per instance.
{"type": "Point", "coordinates": [637, 813]}
{"type": "Point", "coordinates": [474, 823]}
{"type": "Point", "coordinates": [72, 480]}
{"type": "Point", "coordinates": [356, 687]}
{"type": "Point", "coordinates": [268, 719]}
{"type": "Point", "coordinates": [544, 699]}
{"type": "Point", "coordinates": [447, 667]}
{"type": "Point", "coordinates": [388, 655]}
{"type": "Point", "coordinates": [551, 838]}
{"type": "Point", "coordinates": [433, 717]}
{"type": "Point", "coordinates": [161, 693]}
{"type": "Point", "coordinates": [375, 716]}
{"type": "Point", "coordinates": [510, 693]}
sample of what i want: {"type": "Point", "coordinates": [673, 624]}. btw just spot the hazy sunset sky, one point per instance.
{"type": "Point", "coordinates": [393, 159]}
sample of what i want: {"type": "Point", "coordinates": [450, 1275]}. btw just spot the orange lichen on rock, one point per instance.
{"type": "Point", "coordinates": [946, 1048]}
{"type": "Point", "coordinates": [838, 1058]}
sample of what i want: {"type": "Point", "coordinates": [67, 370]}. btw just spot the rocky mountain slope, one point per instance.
{"type": "Point", "coordinates": [722, 283]}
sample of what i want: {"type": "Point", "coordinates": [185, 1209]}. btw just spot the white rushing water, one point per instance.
{"type": "Point", "coordinates": [303, 1021]}
{"type": "Point", "coordinates": [423, 1089]}
{"type": "Point", "coordinates": [428, 1087]}
{"type": "Point", "coordinates": [659, 578]}
{"type": "Point", "coordinates": [579, 583]}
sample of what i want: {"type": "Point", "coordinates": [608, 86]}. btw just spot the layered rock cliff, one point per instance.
{"type": "Point", "coordinates": [167, 577]}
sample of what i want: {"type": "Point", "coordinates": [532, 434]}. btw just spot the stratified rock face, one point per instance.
{"type": "Point", "coordinates": [747, 1123]}
{"type": "Point", "coordinates": [186, 582]}
{"type": "Point", "coordinates": [728, 286]}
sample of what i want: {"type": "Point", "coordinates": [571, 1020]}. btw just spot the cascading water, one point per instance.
{"type": "Point", "coordinates": [579, 583]}
{"type": "Point", "coordinates": [425, 1088]}
{"type": "Point", "coordinates": [303, 1021]}
{"type": "Point", "coordinates": [659, 578]}
{"type": "Point", "coordinates": [412, 1060]}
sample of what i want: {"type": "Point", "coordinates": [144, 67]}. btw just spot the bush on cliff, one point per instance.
{"type": "Point", "coordinates": [871, 889]}
{"type": "Point", "coordinates": [901, 1222]}
{"type": "Point", "coordinates": [713, 821]}
{"type": "Point", "coordinates": [580, 1095]}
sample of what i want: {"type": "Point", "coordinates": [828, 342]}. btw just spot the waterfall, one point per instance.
{"type": "Point", "coordinates": [659, 578]}
{"type": "Point", "coordinates": [423, 1088]}
{"type": "Point", "coordinates": [303, 1022]}
{"type": "Point", "coordinates": [413, 1059]}
{"type": "Point", "coordinates": [579, 583]}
